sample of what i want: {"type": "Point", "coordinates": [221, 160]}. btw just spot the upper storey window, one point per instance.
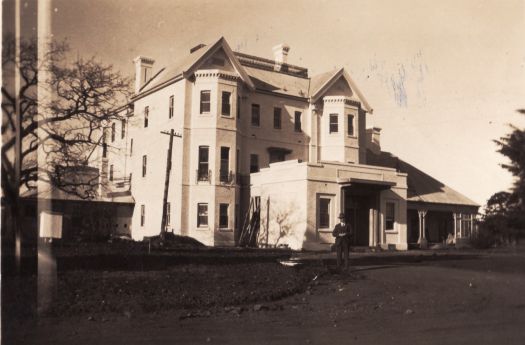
{"type": "Point", "coordinates": [256, 115]}
{"type": "Point", "coordinates": [351, 125]}
{"type": "Point", "coordinates": [205, 102]}
{"type": "Point", "coordinates": [226, 103]}
{"type": "Point", "coordinates": [170, 112]}
{"type": "Point", "coordinates": [277, 118]}
{"type": "Point", "coordinates": [146, 115]}
{"type": "Point", "coordinates": [334, 123]}
{"type": "Point", "coordinates": [113, 132]}
{"type": "Point", "coordinates": [123, 129]}
{"type": "Point", "coordinates": [297, 124]}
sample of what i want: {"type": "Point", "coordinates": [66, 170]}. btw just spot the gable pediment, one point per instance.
{"type": "Point", "coordinates": [339, 84]}
{"type": "Point", "coordinates": [220, 57]}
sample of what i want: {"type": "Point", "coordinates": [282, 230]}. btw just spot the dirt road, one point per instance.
{"type": "Point", "coordinates": [474, 300]}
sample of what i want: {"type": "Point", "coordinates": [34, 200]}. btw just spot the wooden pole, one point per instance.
{"type": "Point", "coordinates": [167, 182]}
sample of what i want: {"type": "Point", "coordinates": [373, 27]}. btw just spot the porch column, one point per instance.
{"type": "Point", "coordinates": [423, 243]}
{"type": "Point", "coordinates": [455, 216]}
{"type": "Point", "coordinates": [471, 225]}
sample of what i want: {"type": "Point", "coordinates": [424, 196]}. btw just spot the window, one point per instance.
{"type": "Point", "coordinates": [225, 164]}
{"type": "Point", "coordinates": [203, 169]}
{"type": "Point", "coordinates": [256, 115]}
{"type": "Point", "coordinates": [277, 118]}
{"type": "Point", "coordinates": [390, 215]}
{"type": "Point", "coordinates": [334, 123]}
{"type": "Point", "coordinates": [113, 132]}
{"type": "Point", "coordinates": [205, 101]}
{"type": "Point", "coordinates": [142, 215]}
{"type": "Point", "coordinates": [351, 125]}
{"type": "Point", "coordinates": [170, 111]}
{"type": "Point", "coordinates": [104, 150]}
{"type": "Point", "coordinates": [131, 147]}
{"type": "Point", "coordinates": [324, 212]}
{"type": "Point", "coordinates": [223, 216]}
{"type": "Point", "coordinates": [168, 211]}
{"type": "Point", "coordinates": [111, 172]}
{"type": "Point", "coordinates": [226, 106]}
{"type": "Point", "coordinates": [254, 163]}
{"type": "Point", "coordinates": [297, 126]}
{"type": "Point", "coordinates": [466, 225]}
{"type": "Point", "coordinates": [146, 115]}
{"type": "Point", "coordinates": [144, 162]}
{"type": "Point", "coordinates": [123, 129]}
{"type": "Point", "coordinates": [202, 215]}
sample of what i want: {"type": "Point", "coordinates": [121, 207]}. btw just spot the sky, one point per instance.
{"type": "Point", "coordinates": [444, 78]}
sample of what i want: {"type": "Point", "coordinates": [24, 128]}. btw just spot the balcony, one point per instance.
{"type": "Point", "coordinates": [227, 177]}
{"type": "Point", "coordinates": [203, 175]}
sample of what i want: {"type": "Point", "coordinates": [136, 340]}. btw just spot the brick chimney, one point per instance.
{"type": "Point", "coordinates": [280, 53]}
{"type": "Point", "coordinates": [143, 71]}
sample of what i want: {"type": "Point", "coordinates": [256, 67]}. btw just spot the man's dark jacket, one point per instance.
{"type": "Point", "coordinates": [342, 229]}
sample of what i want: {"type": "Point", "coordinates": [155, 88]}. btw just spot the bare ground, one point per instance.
{"type": "Point", "coordinates": [396, 299]}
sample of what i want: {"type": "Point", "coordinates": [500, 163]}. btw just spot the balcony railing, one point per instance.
{"type": "Point", "coordinates": [203, 175]}
{"type": "Point", "coordinates": [226, 176]}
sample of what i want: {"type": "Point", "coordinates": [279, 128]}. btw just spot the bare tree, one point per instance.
{"type": "Point", "coordinates": [67, 127]}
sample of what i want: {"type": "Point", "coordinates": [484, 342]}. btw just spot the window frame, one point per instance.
{"type": "Point", "coordinates": [224, 173]}
{"type": "Point", "coordinates": [277, 115]}
{"type": "Point", "coordinates": [350, 118]}
{"type": "Point", "coordinates": [256, 107]}
{"type": "Point", "coordinates": [171, 105]}
{"type": "Point", "coordinates": [333, 127]}
{"type": "Point", "coordinates": [113, 130]}
{"type": "Point", "coordinates": [229, 104]}
{"type": "Point", "coordinates": [142, 215]}
{"type": "Point", "coordinates": [331, 204]}
{"type": "Point", "coordinates": [297, 126]}
{"type": "Point", "coordinates": [123, 128]}
{"type": "Point", "coordinates": [224, 217]}
{"type": "Point", "coordinates": [205, 216]}
{"type": "Point", "coordinates": [387, 215]}
{"type": "Point", "coordinates": [203, 174]}
{"type": "Point", "coordinates": [203, 103]}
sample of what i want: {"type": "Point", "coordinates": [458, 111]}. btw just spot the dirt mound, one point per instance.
{"type": "Point", "coordinates": [172, 241]}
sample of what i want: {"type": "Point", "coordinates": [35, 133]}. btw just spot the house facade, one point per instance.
{"type": "Point", "coordinates": [260, 141]}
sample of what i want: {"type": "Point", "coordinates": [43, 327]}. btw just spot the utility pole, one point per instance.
{"type": "Point", "coordinates": [172, 134]}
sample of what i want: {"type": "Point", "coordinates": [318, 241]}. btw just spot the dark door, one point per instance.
{"type": "Point", "coordinates": [357, 211]}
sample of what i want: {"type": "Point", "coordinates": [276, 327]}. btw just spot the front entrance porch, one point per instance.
{"type": "Point", "coordinates": [361, 206]}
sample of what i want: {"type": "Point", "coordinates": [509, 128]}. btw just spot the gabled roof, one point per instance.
{"type": "Point", "coordinates": [421, 186]}
{"type": "Point", "coordinates": [188, 65]}
{"type": "Point", "coordinates": [258, 73]}
{"type": "Point", "coordinates": [322, 83]}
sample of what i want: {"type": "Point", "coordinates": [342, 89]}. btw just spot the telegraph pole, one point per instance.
{"type": "Point", "coordinates": [167, 181]}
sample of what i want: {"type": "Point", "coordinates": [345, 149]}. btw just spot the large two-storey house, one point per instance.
{"type": "Point", "coordinates": [262, 138]}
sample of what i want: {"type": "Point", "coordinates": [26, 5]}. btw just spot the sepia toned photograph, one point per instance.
{"type": "Point", "coordinates": [263, 172]}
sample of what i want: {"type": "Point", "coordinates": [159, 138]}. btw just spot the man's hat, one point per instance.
{"type": "Point", "coordinates": [341, 215]}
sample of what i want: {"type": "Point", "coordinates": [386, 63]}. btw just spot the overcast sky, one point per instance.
{"type": "Point", "coordinates": [444, 77]}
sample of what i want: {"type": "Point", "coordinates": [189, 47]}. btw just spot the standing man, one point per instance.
{"type": "Point", "coordinates": [342, 233]}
